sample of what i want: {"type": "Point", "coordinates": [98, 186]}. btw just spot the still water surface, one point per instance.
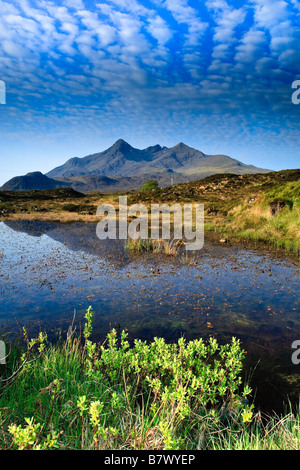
{"type": "Point", "coordinates": [49, 271]}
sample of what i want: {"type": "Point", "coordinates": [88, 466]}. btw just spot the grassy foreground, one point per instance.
{"type": "Point", "coordinates": [81, 395]}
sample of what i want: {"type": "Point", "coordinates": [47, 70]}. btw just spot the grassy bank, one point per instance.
{"type": "Point", "coordinates": [81, 395]}
{"type": "Point", "coordinates": [262, 209]}
{"type": "Point", "coordinates": [255, 222]}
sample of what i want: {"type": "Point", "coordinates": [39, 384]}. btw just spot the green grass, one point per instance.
{"type": "Point", "coordinates": [237, 208]}
{"type": "Point", "coordinates": [82, 395]}
{"type": "Point", "coordinates": [167, 247]}
{"type": "Point", "coordinates": [255, 223]}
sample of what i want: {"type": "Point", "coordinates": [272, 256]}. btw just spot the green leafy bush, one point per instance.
{"type": "Point", "coordinates": [121, 395]}
{"type": "Point", "coordinates": [150, 185]}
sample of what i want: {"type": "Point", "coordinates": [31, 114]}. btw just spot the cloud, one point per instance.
{"type": "Point", "coordinates": [123, 63]}
{"type": "Point", "coordinates": [159, 29]}
{"type": "Point", "coordinates": [227, 19]}
{"type": "Point", "coordinates": [253, 46]}
{"type": "Point", "coordinates": [269, 13]}
{"type": "Point", "coordinates": [275, 17]}
{"type": "Point", "coordinates": [185, 14]}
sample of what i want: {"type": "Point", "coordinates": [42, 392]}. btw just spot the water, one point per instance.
{"type": "Point", "coordinates": [49, 270]}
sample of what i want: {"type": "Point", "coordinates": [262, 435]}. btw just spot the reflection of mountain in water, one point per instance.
{"type": "Point", "coordinates": [79, 236]}
{"type": "Point", "coordinates": [76, 236]}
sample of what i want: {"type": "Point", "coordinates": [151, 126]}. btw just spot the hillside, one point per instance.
{"type": "Point", "coordinates": [32, 181]}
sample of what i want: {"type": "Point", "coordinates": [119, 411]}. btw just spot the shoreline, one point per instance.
{"type": "Point", "coordinates": [213, 236]}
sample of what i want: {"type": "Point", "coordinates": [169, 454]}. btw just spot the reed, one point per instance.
{"type": "Point", "coordinates": [167, 247]}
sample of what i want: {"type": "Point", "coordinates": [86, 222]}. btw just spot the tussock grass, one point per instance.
{"type": "Point", "coordinates": [167, 247]}
{"type": "Point", "coordinates": [255, 223]}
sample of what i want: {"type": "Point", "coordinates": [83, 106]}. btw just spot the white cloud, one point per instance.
{"type": "Point", "coordinates": [12, 49]}
{"type": "Point", "coordinates": [227, 19]}
{"type": "Point", "coordinates": [275, 17]}
{"type": "Point", "coordinates": [269, 13]}
{"type": "Point", "coordinates": [159, 29]}
{"type": "Point", "coordinates": [7, 8]}
{"type": "Point", "coordinates": [131, 6]}
{"type": "Point", "coordinates": [122, 49]}
{"type": "Point", "coordinates": [185, 14]}
{"type": "Point", "coordinates": [252, 47]}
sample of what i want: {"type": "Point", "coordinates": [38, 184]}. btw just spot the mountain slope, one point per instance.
{"type": "Point", "coordinates": [90, 183]}
{"type": "Point", "coordinates": [32, 181]}
{"type": "Point", "coordinates": [119, 160]}
{"type": "Point", "coordinates": [123, 160]}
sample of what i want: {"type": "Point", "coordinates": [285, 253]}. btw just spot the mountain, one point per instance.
{"type": "Point", "coordinates": [119, 160]}
{"type": "Point", "coordinates": [122, 167]}
{"type": "Point", "coordinates": [123, 160]}
{"type": "Point", "coordinates": [90, 183]}
{"type": "Point", "coordinates": [32, 181]}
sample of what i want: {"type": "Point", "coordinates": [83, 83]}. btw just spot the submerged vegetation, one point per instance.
{"type": "Point", "coordinates": [77, 394]}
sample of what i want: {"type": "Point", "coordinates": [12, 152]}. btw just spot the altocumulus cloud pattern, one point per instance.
{"type": "Point", "coordinates": [222, 69]}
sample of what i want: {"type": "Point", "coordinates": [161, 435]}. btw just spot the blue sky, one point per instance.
{"type": "Point", "coordinates": [215, 74]}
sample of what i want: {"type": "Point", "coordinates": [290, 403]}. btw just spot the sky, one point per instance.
{"type": "Point", "coordinates": [214, 74]}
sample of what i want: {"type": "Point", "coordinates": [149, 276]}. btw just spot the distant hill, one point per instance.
{"type": "Point", "coordinates": [122, 167]}
{"type": "Point", "coordinates": [32, 181]}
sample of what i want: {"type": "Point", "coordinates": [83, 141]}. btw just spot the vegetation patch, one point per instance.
{"type": "Point", "coordinates": [82, 395]}
{"type": "Point", "coordinates": [167, 247]}
{"type": "Point", "coordinates": [79, 208]}
{"type": "Point", "coordinates": [150, 185]}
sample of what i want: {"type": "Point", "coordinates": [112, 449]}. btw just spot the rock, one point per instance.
{"type": "Point", "coordinates": [223, 240]}
{"type": "Point", "coordinates": [276, 207]}
{"type": "Point", "coordinates": [211, 211]}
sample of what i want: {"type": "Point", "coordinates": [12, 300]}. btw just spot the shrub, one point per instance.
{"type": "Point", "coordinates": [150, 185]}
{"type": "Point", "coordinates": [121, 395]}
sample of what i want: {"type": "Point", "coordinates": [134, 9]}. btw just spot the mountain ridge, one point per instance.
{"type": "Point", "coordinates": [121, 159]}
{"type": "Point", "coordinates": [123, 167]}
